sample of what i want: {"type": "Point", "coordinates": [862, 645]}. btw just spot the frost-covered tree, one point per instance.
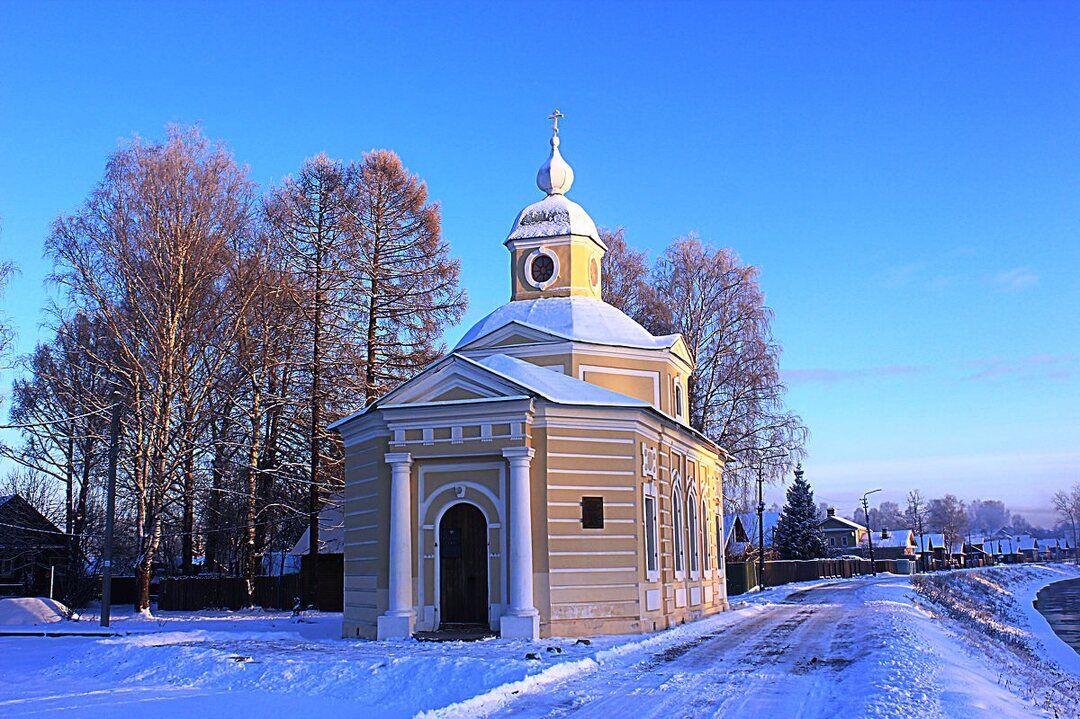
{"type": "Point", "coordinates": [948, 516]}
{"type": "Point", "coordinates": [798, 532]}
{"type": "Point", "coordinates": [1067, 505]}
{"type": "Point", "coordinates": [147, 255]}
{"type": "Point", "coordinates": [736, 394]}
{"type": "Point", "coordinates": [626, 276]}
{"type": "Point", "coordinates": [987, 515]}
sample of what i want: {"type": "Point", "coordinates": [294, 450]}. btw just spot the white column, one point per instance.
{"type": "Point", "coordinates": [521, 619]}
{"type": "Point", "coordinates": [400, 617]}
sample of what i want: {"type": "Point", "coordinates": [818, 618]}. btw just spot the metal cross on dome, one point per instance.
{"type": "Point", "coordinates": [555, 116]}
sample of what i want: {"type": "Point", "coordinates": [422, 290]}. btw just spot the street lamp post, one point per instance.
{"type": "Point", "coordinates": [761, 522]}
{"type": "Point", "coordinates": [761, 515]}
{"type": "Point", "coordinates": [869, 529]}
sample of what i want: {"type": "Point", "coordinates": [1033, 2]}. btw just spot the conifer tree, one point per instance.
{"type": "Point", "coordinates": [798, 532]}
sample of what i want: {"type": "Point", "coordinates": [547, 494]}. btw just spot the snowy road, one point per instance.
{"type": "Point", "coordinates": [862, 648]}
{"type": "Point", "coordinates": [822, 652]}
{"type": "Point", "coordinates": [754, 668]}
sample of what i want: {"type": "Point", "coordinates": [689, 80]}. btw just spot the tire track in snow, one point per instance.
{"type": "Point", "coordinates": [780, 663]}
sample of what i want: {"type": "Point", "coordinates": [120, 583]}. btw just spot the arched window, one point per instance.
{"type": "Point", "coordinates": [706, 555]}
{"type": "Point", "coordinates": [652, 554]}
{"type": "Point", "coordinates": [677, 526]}
{"type": "Point", "coordinates": [678, 398]}
{"type": "Point", "coordinates": [692, 526]}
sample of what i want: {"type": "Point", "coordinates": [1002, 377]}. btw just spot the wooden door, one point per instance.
{"type": "Point", "coordinates": [463, 565]}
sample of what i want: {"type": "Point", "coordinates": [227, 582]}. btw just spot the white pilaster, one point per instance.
{"type": "Point", "coordinates": [400, 617]}
{"type": "Point", "coordinates": [521, 619]}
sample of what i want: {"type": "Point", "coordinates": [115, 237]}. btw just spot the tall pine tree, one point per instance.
{"type": "Point", "coordinates": [798, 532]}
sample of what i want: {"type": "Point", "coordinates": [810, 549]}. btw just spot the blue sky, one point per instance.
{"type": "Point", "coordinates": [907, 177]}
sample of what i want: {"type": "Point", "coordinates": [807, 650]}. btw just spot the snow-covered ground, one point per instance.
{"type": "Point", "coordinates": [866, 647]}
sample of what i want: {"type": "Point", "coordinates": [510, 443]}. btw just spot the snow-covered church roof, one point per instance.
{"type": "Point", "coordinates": [581, 319]}
{"type": "Point", "coordinates": [554, 216]}
{"type": "Point", "coordinates": [554, 385]}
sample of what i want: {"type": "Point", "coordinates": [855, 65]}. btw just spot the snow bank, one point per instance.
{"type": "Point", "coordinates": [992, 611]}
{"type": "Point", "coordinates": [31, 612]}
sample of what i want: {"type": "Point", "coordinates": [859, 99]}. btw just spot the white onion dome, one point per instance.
{"type": "Point", "coordinates": [555, 215]}
{"type": "Point", "coordinates": [555, 176]}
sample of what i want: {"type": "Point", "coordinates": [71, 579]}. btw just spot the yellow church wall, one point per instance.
{"type": "Point", "coordinates": [574, 255]}
{"type": "Point", "coordinates": [367, 503]}
{"type": "Point", "coordinates": [599, 581]}
{"type": "Point", "coordinates": [593, 572]}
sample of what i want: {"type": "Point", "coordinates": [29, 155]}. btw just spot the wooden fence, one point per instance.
{"type": "Point", "coordinates": [742, 576]}
{"type": "Point", "coordinates": [217, 592]}
{"type": "Point", "coordinates": [321, 586]}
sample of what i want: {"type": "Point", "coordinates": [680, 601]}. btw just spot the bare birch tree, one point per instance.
{"type": "Point", "coordinates": [626, 276]}
{"type": "Point", "coordinates": [148, 254]}
{"type": "Point", "coordinates": [736, 394]}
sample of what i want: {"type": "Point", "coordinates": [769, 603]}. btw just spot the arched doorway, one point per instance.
{"type": "Point", "coordinates": [463, 566]}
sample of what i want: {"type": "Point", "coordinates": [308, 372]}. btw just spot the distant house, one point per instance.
{"type": "Point", "coordinates": [30, 548]}
{"type": "Point", "coordinates": [975, 555]}
{"type": "Point", "coordinates": [1060, 548]}
{"type": "Point", "coordinates": [741, 533]}
{"type": "Point", "coordinates": [932, 548]}
{"type": "Point", "coordinates": [895, 544]}
{"type": "Point", "coordinates": [328, 572]}
{"type": "Point", "coordinates": [331, 532]}
{"type": "Point", "coordinates": [1028, 546]}
{"type": "Point", "coordinates": [1002, 549]}
{"type": "Point", "coordinates": [842, 535]}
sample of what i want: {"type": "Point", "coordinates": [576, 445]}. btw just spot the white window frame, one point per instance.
{"type": "Point", "coordinates": [651, 535]}
{"type": "Point", "coordinates": [693, 533]}
{"type": "Point", "coordinates": [529, 264]}
{"type": "Point", "coordinates": [706, 555]}
{"type": "Point", "coordinates": [678, 398]}
{"type": "Point", "coordinates": [718, 520]}
{"type": "Point", "coordinates": [677, 530]}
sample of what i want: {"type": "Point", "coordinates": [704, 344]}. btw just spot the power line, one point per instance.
{"type": "Point", "coordinates": [46, 423]}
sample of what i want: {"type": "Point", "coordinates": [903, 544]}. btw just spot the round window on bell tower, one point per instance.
{"type": "Point", "coordinates": [541, 268]}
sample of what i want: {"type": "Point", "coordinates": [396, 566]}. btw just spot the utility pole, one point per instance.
{"type": "Point", "coordinates": [869, 529]}
{"type": "Point", "coordinates": [110, 509]}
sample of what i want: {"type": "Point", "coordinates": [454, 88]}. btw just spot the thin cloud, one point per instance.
{"type": "Point", "coordinates": [1032, 367]}
{"type": "Point", "coordinates": [833, 376]}
{"type": "Point", "coordinates": [1018, 278]}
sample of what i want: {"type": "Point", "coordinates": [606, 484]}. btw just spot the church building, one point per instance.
{"type": "Point", "coordinates": [542, 479]}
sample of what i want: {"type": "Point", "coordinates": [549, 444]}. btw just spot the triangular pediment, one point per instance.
{"type": "Point", "coordinates": [511, 334]}
{"type": "Point", "coordinates": [457, 394]}
{"type": "Point", "coordinates": [453, 379]}
{"type": "Point", "coordinates": [680, 349]}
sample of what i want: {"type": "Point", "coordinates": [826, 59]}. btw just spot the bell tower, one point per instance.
{"type": "Point", "coordinates": [555, 249]}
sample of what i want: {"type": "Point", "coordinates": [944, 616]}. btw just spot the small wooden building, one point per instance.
{"type": "Point", "coordinates": [31, 549]}
{"type": "Point", "coordinates": [842, 535]}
